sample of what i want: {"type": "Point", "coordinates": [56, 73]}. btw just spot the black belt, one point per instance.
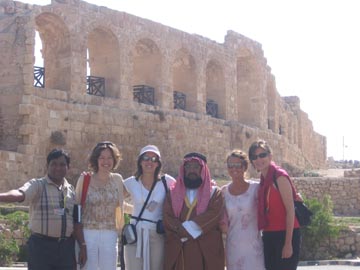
{"type": "Point", "coordinates": [50, 238]}
{"type": "Point", "coordinates": [143, 219]}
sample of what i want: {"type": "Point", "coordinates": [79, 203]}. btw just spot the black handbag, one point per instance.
{"type": "Point", "coordinates": [160, 227]}
{"type": "Point", "coordinates": [303, 213]}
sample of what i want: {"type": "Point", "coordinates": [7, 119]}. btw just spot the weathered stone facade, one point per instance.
{"type": "Point", "coordinates": [127, 50]}
{"type": "Point", "coordinates": [344, 192]}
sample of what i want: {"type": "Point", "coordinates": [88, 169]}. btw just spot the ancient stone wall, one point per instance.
{"type": "Point", "coordinates": [345, 246]}
{"type": "Point", "coordinates": [127, 50]}
{"type": "Point", "coordinates": [344, 192]}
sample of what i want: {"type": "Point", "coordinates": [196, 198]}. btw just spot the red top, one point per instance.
{"type": "Point", "coordinates": [276, 212]}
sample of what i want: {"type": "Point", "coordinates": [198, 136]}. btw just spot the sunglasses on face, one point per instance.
{"type": "Point", "coordinates": [192, 166]}
{"type": "Point", "coordinates": [152, 159]}
{"type": "Point", "coordinates": [234, 165]}
{"type": "Point", "coordinates": [261, 155]}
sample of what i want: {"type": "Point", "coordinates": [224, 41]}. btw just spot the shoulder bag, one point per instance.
{"type": "Point", "coordinates": [77, 214]}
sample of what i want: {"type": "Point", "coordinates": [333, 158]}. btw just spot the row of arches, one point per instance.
{"type": "Point", "coordinates": [194, 84]}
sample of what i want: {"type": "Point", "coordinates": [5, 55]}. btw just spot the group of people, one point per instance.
{"type": "Point", "coordinates": [258, 218]}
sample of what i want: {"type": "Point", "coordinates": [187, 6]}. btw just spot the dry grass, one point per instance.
{"type": "Point", "coordinates": [347, 221]}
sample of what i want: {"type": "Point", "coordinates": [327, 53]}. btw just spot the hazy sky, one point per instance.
{"type": "Point", "coordinates": [312, 47]}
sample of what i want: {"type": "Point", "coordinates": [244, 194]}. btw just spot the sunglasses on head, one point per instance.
{"type": "Point", "coordinates": [147, 158]}
{"type": "Point", "coordinates": [106, 143]}
{"type": "Point", "coordinates": [234, 165]}
{"type": "Point", "coordinates": [261, 155]}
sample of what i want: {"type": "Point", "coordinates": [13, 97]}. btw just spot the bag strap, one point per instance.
{"type": "Point", "coordinates": [291, 184]}
{"type": "Point", "coordinates": [163, 180]}
{"type": "Point", "coordinates": [85, 189]}
{"type": "Point", "coordinates": [145, 203]}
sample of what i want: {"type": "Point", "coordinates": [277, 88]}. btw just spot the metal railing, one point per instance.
{"type": "Point", "coordinates": [212, 108]}
{"type": "Point", "coordinates": [179, 100]}
{"type": "Point", "coordinates": [144, 94]}
{"type": "Point", "coordinates": [95, 86]}
{"type": "Point", "coordinates": [39, 77]}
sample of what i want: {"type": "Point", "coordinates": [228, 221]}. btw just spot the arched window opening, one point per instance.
{"type": "Point", "coordinates": [56, 51]}
{"type": "Point", "coordinates": [39, 70]}
{"type": "Point", "coordinates": [103, 64]}
{"type": "Point", "coordinates": [215, 90]}
{"type": "Point", "coordinates": [146, 72]}
{"type": "Point", "coordinates": [184, 82]}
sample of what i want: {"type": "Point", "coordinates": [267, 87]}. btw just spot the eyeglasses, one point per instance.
{"type": "Point", "coordinates": [261, 155]}
{"type": "Point", "coordinates": [189, 166]}
{"type": "Point", "coordinates": [152, 159]}
{"type": "Point", "coordinates": [234, 165]}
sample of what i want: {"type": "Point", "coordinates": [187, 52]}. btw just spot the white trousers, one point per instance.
{"type": "Point", "coordinates": [102, 249]}
{"type": "Point", "coordinates": [156, 246]}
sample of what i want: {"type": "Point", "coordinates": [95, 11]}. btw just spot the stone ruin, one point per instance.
{"type": "Point", "coordinates": [109, 75]}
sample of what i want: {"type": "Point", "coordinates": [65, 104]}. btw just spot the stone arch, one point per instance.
{"type": "Point", "coordinates": [247, 75]}
{"type": "Point", "coordinates": [56, 50]}
{"type": "Point", "coordinates": [215, 87]}
{"type": "Point", "coordinates": [184, 78]}
{"type": "Point", "coordinates": [104, 59]}
{"type": "Point", "coordinates": [147, 66]}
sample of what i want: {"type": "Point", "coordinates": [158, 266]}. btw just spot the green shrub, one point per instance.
{"type": "Point", "coordinates": [8, 251]}
{"type": "Point", "coordinates": [320, 231]}
{"type": "Point", "coordinates": [311, 174]}
{"type": "Point", "coordinates": [18, 220]}
{"type": "Point", "coordinates": [13, 249]}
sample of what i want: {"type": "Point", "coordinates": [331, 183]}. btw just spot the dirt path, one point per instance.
{"type": "Point", "coordinates": [331, 172]}
{"type": "Point", "coordinates": [334, 172]}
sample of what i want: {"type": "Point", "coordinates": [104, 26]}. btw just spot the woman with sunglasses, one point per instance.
{"type": "Point", "coordinates": [103, 199]}
{"type": "Point", "coordinates": [244, 249]}
{"type": "Point", "coordinates": [276, 213]}
{"type": "Point", "coordinates": [148, 252]}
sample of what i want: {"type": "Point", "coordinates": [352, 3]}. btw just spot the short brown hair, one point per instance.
{"type": "Point", "coordinates": [96, 152]}
{"type": "Point", "coordinates": [241, 155]}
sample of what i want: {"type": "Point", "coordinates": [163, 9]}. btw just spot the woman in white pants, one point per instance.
{"type": "Point", "coordinates": [104, 200]}
{"type": "Point", "coordinates": [148, 252]}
